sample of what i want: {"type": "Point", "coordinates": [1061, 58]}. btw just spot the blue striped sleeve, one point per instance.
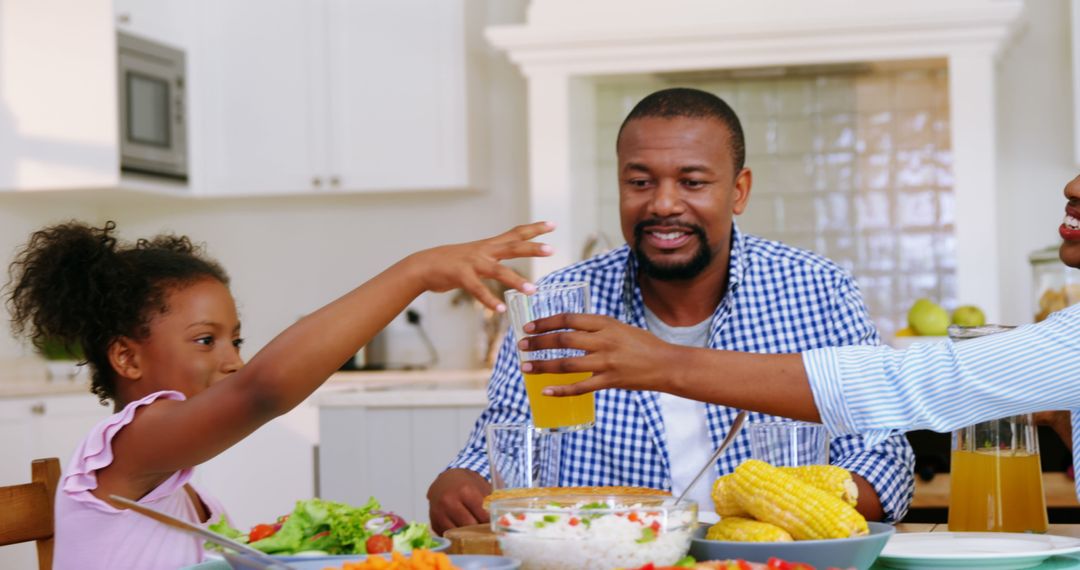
{"type": "Point", "coordinates": [944, 386]}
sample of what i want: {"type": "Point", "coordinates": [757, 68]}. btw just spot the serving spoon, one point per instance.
{"type": "Point", "coordinates": [254, 557]}
{"type": "Point", "coordinates": [736, 427]}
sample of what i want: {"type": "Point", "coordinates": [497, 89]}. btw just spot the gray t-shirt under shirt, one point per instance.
{"type": "Point", "coordinates": [686, 430]}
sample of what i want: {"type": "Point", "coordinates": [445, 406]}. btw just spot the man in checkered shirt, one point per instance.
{"type": "Point", "coordinates": [690, 277]}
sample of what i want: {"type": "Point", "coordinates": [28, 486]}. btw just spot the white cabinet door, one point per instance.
{"type": "Point", "coordinates": [256, 96]}
{"type": "Point", "coordinates": [397, 77]}
{"type": "Point", "coordinates": [17, 433]}
{"type": "Point", "coordinates": [393, 451]}
{"type": "Point", "coordinates": [262, 477]}
{"type": "Point", "coordinates": [33, 428]}
{"type": "Point", "coordinates": [65, 421]}
{"type": "Point", "coordinates": [58, 109]}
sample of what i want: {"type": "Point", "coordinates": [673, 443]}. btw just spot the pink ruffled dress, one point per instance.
{"type": "Point", "coordinates": [92, 535]}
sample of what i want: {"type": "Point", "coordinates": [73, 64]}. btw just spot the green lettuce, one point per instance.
{"type": "Point", "coordinates": [316, 525]}
{"type": "Point", "coordinates": [413, 536]}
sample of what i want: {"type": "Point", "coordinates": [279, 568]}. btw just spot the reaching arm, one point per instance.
{"type": "Point", "coordinates": [939, 386]}
{"type": "Point", "coordinates": [173, 435]}
{"type": "Point", "coordinates": [630, 358]}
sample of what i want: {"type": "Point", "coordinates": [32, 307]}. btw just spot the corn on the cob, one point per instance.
{"type": "Point", "coordinates": [834, 480]}
{"type": "Point", "coordinates": [806, 512]}
{"type": "Point", "coordinates": [746, 530]}
{"type": "Point", "coordinates": [723, 496]}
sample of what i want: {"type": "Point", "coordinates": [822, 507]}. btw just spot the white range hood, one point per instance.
{"type": "Point", "coordinates": [564, 44]}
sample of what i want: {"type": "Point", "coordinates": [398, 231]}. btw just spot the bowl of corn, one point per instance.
{"type": "Point", "coordinates": [803, 514]}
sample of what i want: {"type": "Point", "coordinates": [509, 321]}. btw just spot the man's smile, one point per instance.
{"type": "Point", "coordinates": [668, 238]}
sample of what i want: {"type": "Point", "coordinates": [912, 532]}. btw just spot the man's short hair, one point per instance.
{"type": "Point", "coordinates": [693, 103]}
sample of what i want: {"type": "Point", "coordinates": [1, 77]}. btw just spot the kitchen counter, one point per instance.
{"type": "Point", "coordinates": [27, 379]}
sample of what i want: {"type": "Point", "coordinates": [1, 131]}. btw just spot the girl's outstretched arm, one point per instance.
{"type": "Point", "coordinates": [172, 435]}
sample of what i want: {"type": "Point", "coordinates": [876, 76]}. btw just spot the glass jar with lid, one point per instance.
{"type": "Point", "coordinates": [1055, 285]}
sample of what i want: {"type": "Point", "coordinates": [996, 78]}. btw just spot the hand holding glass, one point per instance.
{"type": "Point", "coordinates": [549, 412]}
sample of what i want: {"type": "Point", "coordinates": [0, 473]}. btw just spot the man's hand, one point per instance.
{"type": "Point", "coordinates": [456, 499]}
{"type": "Point", "coordinates": [619, 355]}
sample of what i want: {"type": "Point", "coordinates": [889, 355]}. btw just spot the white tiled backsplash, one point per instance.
{"type": "Point", "coordinates": [856, 166]}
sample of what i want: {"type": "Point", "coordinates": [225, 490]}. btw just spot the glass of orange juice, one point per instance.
{"type": "Point", "coordinates": [548, 412]}
{"type": "Point", "coordinates": [996, 480]}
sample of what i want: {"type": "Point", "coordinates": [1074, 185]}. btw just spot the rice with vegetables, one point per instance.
{"type": "Point", "coordinates": [595, 535]}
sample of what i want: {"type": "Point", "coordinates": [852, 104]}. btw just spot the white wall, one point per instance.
{"type": "Point", "coordinates": [1035, 148]}
{"type": "Point", "coordinates": [290, 255]}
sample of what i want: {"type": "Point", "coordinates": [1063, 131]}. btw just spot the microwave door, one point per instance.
{"type": "Point", "coordinates": [147, 111]}
{"type": "Point", "coordinates": [152, 133]}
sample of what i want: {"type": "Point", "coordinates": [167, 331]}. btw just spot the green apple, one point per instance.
{"type": "Point", "coordinates": [927, 318]}
{"type": "Point", "coordinates": [968, 316]}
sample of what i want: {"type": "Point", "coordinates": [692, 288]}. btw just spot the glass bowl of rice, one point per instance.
{"type": "Point", "coordinates": [592, 531]}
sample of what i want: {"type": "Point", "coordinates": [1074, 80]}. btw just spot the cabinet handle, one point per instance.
{"type": "Point", "coordinates": [335, 181]}
{"type": "Point", "coordinates": [38, 409]}
{"type": "Point", "coordinates": [316, 182]}
{"type": "Point", "coordinates": [123, 18]}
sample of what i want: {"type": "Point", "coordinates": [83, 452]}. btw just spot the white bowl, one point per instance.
{"type": "Point", "coordinates": [593, 532]}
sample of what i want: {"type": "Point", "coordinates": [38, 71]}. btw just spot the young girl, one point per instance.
{"type": "Point", "coordinates": [159, 329]}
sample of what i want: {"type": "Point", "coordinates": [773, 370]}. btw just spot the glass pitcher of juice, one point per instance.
{"type": "Point", "coordinates": [996, 481]}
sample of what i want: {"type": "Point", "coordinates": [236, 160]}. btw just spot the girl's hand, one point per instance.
{"type": "Point", "coordinates": [619, 355]}
{"type": "Point", "coordinates": [464, 265]}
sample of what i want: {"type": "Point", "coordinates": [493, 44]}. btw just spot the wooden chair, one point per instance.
{"type": "Point", "coordinates": [26, 511]}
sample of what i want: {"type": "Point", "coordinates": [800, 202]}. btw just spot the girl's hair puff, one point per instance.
{"type": "Point", "coordinates": [78, 285]}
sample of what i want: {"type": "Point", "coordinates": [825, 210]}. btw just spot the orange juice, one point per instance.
{"type": "Point", "coordinates": [994, 490]}
{"type": "Point", "coordinates": [549, 412]}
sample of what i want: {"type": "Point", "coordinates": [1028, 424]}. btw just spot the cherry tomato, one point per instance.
{"type": "Point", "coordinates": [379, 543]}
{"type": "Point", "coordinates": [261, 531]}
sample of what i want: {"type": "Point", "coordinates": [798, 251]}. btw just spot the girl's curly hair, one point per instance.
{"type": "Point", "coordinates": [78, 285]}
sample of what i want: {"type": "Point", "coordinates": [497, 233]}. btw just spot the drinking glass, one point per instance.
{"type": "Point", "coordinates": [521, 455]}
{"type": "Point", "coordinates": [789, 443]}
{"type": "Point", "coordinates": [548, 412]}
{"type": "Point", "coordinates": [996, 481]}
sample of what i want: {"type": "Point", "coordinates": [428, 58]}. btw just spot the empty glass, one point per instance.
{"type": "Point", "coordinates": [789, 443]}
{"type": "Point", "coordinates": [521, 455]}
{"type": "Point", "coordinates": [549, 412]}
{"type": "Point", "coordinates": [996, 480]}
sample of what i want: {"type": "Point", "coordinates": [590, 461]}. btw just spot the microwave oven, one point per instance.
{"type": "Point", "coordinates": [153, 110]}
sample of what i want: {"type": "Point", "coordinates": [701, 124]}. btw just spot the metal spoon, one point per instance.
{"type": "Point", "coordinates": [736, 427]}
{"type": "Point", "coordinates": [253, 557]}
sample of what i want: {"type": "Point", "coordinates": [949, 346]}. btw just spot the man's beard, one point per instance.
{"type": "Point", "coordinates": [677, 271]}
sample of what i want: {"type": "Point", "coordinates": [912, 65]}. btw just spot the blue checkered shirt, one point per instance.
{"type": "Point", "coordinates": [779, 300]}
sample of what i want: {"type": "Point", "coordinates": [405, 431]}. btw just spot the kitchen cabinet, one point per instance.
{"type": "Point", "coordinates": [58, 118]}
{"type": "Point", "coordinates": [256, 88]}
{"type": "Point", "coordinates": [36, 427]}
{"type": "Point", "coordinates": [261, 477]}
{"type": "Point", "coordinates": [331, 96]}
{"type": "Point", "coordinates": [397, 75]}
{"type": "Point", "coordinates": [294, 97]}
{"type": "Point", "coordinates": [391, 445]}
